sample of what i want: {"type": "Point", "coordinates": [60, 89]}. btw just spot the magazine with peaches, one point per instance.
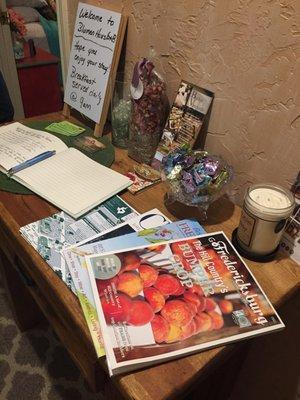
{"type": "Point", "coordinates": [150, 227]}
{"type": "Point", "coordinates": [75, 264]}
{"type": "Point", "coordinates": [176, 298]}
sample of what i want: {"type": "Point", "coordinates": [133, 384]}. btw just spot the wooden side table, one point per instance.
{"type": "Point", "coordinates": [39, 83]}
{"type": "Point", "coordinates": [35, 291]}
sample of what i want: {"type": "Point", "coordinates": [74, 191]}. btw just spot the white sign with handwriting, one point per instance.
{"type": "Point", "coordinates": [94, 40]}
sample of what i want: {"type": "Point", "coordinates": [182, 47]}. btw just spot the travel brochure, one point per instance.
{"type": "Point", "coordinates": [138, 183]}
{"type": "Point", "coordinates": [175, 298]}
{"type": "Point", "coordinates": [290, 241]}
{"type": "Point", "coordinates": [142, 178]}
{"type": "Point", "coordinates": [75, 261]}
{"type": "Point", "coordinates": [152, 290]}
{"type": "Point", "coordinates": [51, 235]}
{"type": "Point", "coordinates": [110, 240]}
{"type": "Point", "coordinates": [185, 122]}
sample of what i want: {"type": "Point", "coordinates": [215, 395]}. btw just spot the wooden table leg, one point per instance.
{"type": "Point", "coordinates": [26, 312]}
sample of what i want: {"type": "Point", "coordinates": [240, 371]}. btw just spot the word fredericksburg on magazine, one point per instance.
{"type": "Point", "coordinates": [175, 298]}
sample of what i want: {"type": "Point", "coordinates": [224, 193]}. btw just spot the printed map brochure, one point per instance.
{"type": "Point", "coordinates": [52, 234]}
{"type": "Point", "coordinates": [196, 294]}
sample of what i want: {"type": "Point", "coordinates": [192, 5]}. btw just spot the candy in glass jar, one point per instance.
{"type": "Point", "coordinates": [149, 102]}
{"type": "Point", "coordinates": [195, 178]}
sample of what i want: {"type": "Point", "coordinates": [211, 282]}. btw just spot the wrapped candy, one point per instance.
{"type": "Point", "coordinates": [149, 101]}
{"type": "Point", "coordinates": [195, 178]}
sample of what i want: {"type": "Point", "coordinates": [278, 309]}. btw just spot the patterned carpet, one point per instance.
{"type": "Point", "coordinates": [35, 366]}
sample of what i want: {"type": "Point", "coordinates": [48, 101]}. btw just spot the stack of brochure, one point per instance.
{"type": "Point", "coordinates": [150, 289]}
{"type": "Point", "coordinates": [49, 236]}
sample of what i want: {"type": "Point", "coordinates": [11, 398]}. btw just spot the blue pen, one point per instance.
{"type": "Point", "coordinates": [32, 161]}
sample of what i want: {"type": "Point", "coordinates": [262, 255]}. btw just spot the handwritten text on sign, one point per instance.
{"type": "Point", "coordinates": [94, 40]}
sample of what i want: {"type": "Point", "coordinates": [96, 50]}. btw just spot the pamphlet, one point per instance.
{"type": "Point", "coordinates": [76, 265]}
{"type": "Point", "coordinates": [89, 144]}
{"type": "Point", "coordinates": [66, 128]}
{"type": "Point", "coordinates": [52, 234]}
{"type": "Point", "coordinates": [290, 241]}
{"type": "Point", "coordinates": [139, 184]}
{"type": "Point", "coordinates": [151, 236]}
{"type": "Point", "coordinates": [185, 121]}
{"type": "Point", "coordinates": [195, 294]}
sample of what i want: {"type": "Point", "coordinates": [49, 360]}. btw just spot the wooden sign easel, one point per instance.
{"type": "Point", "coordinates": [98, 130]}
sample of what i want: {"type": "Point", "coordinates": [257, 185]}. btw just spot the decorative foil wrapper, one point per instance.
{"type": "Point", "coordinates": [195, 178]}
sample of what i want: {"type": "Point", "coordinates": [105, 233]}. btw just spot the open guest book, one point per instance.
{"type": "Point", "coordinates": [63, 176]}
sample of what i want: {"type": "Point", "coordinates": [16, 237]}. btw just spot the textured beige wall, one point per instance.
{"type": "Point", "coordinates": [248, 53]}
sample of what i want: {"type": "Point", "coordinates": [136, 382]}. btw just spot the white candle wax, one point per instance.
{"type": "Point", "coordinates": [270, 198]}
{"type": "Point", "coordinates": [265, 210]}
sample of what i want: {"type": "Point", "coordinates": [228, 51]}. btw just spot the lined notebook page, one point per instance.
{"type": "Point", "coordinates": [72, 181]}
{"type": "Point", "coordinates": [19, 143]}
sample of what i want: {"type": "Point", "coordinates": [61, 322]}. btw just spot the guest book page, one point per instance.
{"type": "Point", "coordinates": [18, 143]}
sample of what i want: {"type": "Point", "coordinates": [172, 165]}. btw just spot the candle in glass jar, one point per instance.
{"type": "Point", "coordinates": [270, 198]}
{"type": "Point", "coordinates": [265, 211]}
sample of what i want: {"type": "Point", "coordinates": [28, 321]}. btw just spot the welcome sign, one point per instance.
{"type": "Point", "coordinates": [92, 60]}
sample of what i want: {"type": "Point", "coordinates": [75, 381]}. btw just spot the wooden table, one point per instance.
{"type": "Point", "coordinates": [44, 294]}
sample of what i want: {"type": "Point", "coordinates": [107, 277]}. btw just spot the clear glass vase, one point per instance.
{"type": "Point", "coordinates": [120, 112]}
{"type": "Point", "coordinates": [147, 118]}
{"type": "Point", "coordinates": [142, 147]}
